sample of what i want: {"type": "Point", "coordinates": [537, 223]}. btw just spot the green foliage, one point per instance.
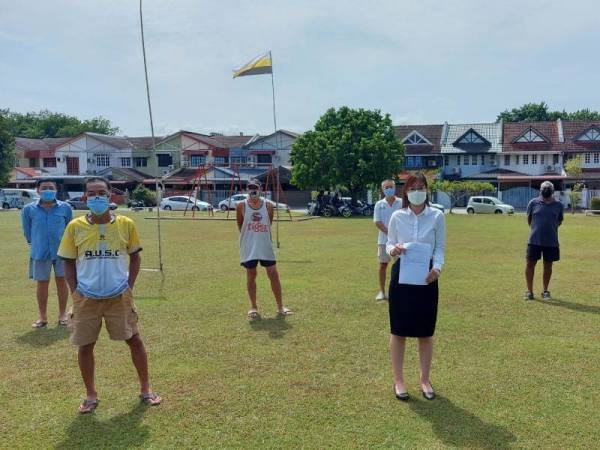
{"type": "Point", "coordinates": [349, 149]}
{"type": "Point", "coordinates": [575, 196]}
{"type": "Point", "coordinates": [541, 112]}
{"type": "Point", "coordinates": [459, 189]}
{"type": "Point", "coordinates": [47, 124]}
{"type": "Point", "coordinates": [7, 150]}
{"type": "Point", "coordinates": [142, 194]}
{"type": "Point", "coordinates": [573, 166]}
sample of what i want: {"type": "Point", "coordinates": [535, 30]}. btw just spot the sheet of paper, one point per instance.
{"type": "Point", "coordinates": [414, 263]}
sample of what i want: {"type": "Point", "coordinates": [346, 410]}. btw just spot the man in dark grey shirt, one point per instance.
{"type": "Point", "coordinates": [544, 215]}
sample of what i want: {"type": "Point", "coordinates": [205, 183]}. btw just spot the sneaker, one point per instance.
{"type": "Point", "coordinates": [546, 295]}
{"type": "Point", "coordinates": [528, 295]}
{"type": "Point", "coordinates": [380, 296]}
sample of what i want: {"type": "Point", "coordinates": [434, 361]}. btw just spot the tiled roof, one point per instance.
{"type": "Point", "coordinates": [39, 144]}
{"type": "Point", "coordinates": [491, 132]}
{"type": "Point", "coordinates": [433, 133]}
{"type": "Point", "coordinates": [144, 142]}
{"type": "Point", "coordinates": [571, 131]}
{"type": "Point", "coordinates": [232, 141]}
{"type": "Point", "coordinates": [547, 130]}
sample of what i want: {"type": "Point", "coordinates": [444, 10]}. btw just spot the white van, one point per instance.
{"type": "Point", "coordinates": [14, 198]}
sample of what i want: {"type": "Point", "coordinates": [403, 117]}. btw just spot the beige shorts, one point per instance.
{"type": "Point", "coordinates": [119, 313]}
{"type": "Point", "coordinates": [382, 254]}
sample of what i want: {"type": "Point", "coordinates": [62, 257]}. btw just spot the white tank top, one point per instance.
{"type": "Point", "coordinates": [255, 237]}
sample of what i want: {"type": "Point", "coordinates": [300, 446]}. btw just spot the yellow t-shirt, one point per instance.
{"type": "Point", "coordinates": [102, 253]}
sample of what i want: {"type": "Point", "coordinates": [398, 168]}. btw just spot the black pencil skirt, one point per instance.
{"type": "Point", "coordinates": [413, 309]}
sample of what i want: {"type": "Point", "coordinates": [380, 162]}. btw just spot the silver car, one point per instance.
{"type": "Point", "coordinates": [488, 205]}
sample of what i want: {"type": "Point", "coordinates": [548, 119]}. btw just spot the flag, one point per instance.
{"type": "Point", "coordinates": [258, 66]}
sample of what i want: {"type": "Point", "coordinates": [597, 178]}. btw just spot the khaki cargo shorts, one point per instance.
{"type": "Point", "coordinates": [119, 313]}
{"type": "Point", "coordinates": [382, 254]}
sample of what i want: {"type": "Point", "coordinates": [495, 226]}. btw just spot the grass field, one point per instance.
{"type": "Point", "coordinates": [508, 374]}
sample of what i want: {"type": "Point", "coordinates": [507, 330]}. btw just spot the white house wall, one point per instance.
{"type": "Point", "coordinates": [86, 149]}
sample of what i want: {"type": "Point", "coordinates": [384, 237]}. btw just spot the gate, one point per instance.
{"type": "Point", "coordinates": [519, 197]}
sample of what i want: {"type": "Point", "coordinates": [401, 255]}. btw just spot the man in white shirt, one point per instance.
{"type": "Point", "coordinates": [384, 209]}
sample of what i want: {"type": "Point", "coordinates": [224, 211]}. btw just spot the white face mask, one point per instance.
{"type": "Point", "coordinates": [417, 198]}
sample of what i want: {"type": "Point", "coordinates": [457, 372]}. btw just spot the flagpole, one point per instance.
{"type": "Point", "coordinates": [160, 264]}
{"type": "Point", "coordinates": [276, 154]}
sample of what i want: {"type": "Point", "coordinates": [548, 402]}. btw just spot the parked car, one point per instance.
{"type": "Point", "coordinates": [437, 206]}
{"type": "Point", "coordinates": [183, 202]}
{"type": "Point", "coordinates": [231, 202]}
{"type": "Point", "coordinates": [78, 203]}
{"type": "Point", "coordinates": [17, 198]}
{"type": "Point", "coordinates": [488, 205]}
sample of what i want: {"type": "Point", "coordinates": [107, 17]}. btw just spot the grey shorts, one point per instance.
{"type": "Point", "coordinates": [382, 255]}
{"type": "Point", "coordinates": [39, 269]}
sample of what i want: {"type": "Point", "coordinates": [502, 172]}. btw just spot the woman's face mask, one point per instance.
{"type": "Point", "coordinates": [417, 198]}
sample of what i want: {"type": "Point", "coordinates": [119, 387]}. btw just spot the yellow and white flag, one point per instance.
{"type": "Point", "coordinates": [258, 66]}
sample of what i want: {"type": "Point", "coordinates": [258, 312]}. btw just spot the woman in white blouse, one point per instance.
{"type": "Point", "coordinates": [416, 234]}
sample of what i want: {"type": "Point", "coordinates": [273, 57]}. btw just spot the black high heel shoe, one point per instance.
{"type": "Point", "coordinates": [428, 395]}
{"type": "Point", "coordinates": [404, 397]}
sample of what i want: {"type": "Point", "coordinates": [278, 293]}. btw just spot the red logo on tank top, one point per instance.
{"type": "Point", "coordinates": [256, 217]}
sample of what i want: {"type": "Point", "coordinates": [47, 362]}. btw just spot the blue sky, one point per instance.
{"type": "Point", "coordinates": [421, 61]}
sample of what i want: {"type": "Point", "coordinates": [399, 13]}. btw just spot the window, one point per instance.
{"type": "Point", "coordinates": [33, 162]}
{"type": "Point", "coordinates": [261, 159]}
{"type": "Point", "coordinates": [483, 160]}
{"type": "Point", "coordinates": [415, 138]}
{"type": "Point", "coordinates": [164, 159]}
{"type": "Point", "coordinates": [446, 160]}
{"type": "Point", "coordinates": [476, 200]}
{"type": "Point", "coordinates": [197, 160]}
{"type": "Point", "coordinates": [102, 160]}
{"type": "Point", "coordinates": [543, 160]}
{"type": "Point", "coordinates": [530, 136]}
{"type": "Point", "coordinates": [588, 158]}
{"type": "Point", "coordinates": [533, 159]}
{"type": "Point", "coordinates": [466, 160]}
{"type": "Point", "coordinates": [596, 158]}
{"type": "Point", "coordinates": [488, 201]}
{"type": "Point", "coordinates": [591, 135]}
{"type": "Point", "coordinates": [140, 162]}
{"type": "Point", "coordinates": [410, 161]}
{"type": "Point", "coordinates": [49, 162]}
{"type": "Point", "coordinates": [125, 162]}
{"type": "Point", "coordinates": [517, 157]}
{"type": "Point", "coordinates": [471, 138]}
{"type": "Point", "coordinates": [239, 160]}
{"type": "Point", "coordinates": [223, 160]}
{"type": "Point", "coordinates": [493, 159]}
{"type": "Point", "coordinates": [507, 160]}
{"type": "Point", "coordinates": [555, 159]}
{"type": "Point", "coordinates": [525, 159]}
{"type": "Point", "coordinates": [431, 163]}
{"type": "Point", "coordinates": [474, 160]}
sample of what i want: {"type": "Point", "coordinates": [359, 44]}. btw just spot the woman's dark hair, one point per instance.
{"type": "Point", "coordinates": [414, 178]}
{"type": "Point", "coordinates": [96, 178]}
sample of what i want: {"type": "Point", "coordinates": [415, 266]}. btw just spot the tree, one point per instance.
{"type": "Point", "coordinates": [573, 167]}
{"type": "Point", "coordinates": [46, 124]}
{"type": "Point", "coordinates": [142, 194]}
{"type": "Point", "coordinates": [7, 151]}
{"type": "Point", "coordinates": [541, 112]}
{"type": "Point", "coordinates": [348, 148]}
{"type": "Point", "coordinates": [459, 189]}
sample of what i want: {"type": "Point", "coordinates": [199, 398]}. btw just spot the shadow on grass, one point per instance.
{"type": "Point", "coordinates": [457, 427]}
{"type": "Point", "coordinates": [295, 262]}
{"type": "Point", "coordinates": [579, 307]}
{"type": "Point", "coordinates": [276, 326]}
{"type": "Point", "coordinates": [43, 337]}
{"type": "Point", "coordinates": [122, 431]}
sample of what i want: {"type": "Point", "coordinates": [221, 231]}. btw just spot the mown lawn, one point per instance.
{"type": "Point", "coordinates": [509, 374]}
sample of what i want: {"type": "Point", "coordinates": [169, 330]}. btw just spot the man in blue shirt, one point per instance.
{"type": "Point", "coordinates": [544, 216]}
{"type": "Point", "coordinates": [44, 222]}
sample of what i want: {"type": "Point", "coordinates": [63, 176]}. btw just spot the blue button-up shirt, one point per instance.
{"type": "Point", "coordinates": [44, 227]}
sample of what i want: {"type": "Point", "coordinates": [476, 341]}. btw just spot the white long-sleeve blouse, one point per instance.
{"type": "Point", "coordinates": [427, 227]}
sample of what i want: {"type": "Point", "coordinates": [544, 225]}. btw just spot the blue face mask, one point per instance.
{"type": "Point", "coordinates": [97, 205]}
{"type": "Point", "coordinates": [389, 191]}
{"type": "Point", "coordinates": [48, 196]}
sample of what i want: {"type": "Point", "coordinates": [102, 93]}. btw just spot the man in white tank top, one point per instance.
{"type": "Point", "coordinates": [254, 219]}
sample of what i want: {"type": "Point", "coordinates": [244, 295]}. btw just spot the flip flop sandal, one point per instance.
{"type": "Point", "coordinates": [88, 406]}
{"type": "Point", "coordinates": [151, 399]}
{"type": "Point", "coordinates": [63, 323]}
{"type": "Point", "coordinates": [285, 312]}
{"type": "Point", "coordinates": [253, 314]}
{"type": "Point", "coordinates": [38, 324]}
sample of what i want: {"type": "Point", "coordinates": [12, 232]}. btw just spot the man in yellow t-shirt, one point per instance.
{"type": "Point", "coordinates": [102, 261]}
